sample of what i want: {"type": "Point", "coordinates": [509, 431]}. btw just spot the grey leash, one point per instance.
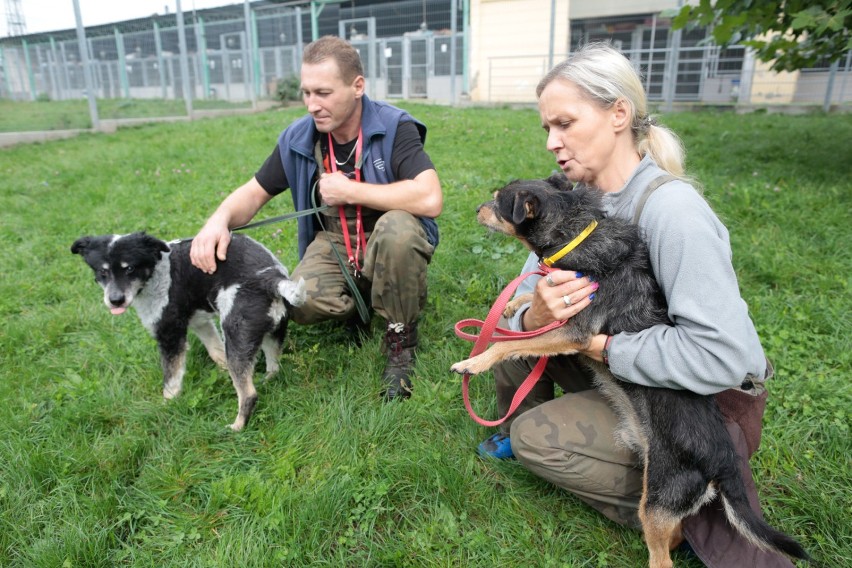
{"type": "Point", "coordinates": [279, 218]}
{"type": "Point", "coordinates": [360, 304]}
{"type": "Point", "coordinates": [316, 210]}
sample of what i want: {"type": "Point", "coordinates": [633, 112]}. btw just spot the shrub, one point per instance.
{"type": "Point", "coordinates": [289, 89]}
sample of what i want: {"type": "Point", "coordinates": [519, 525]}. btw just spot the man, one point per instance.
{"type": "Point", "coordinates": [383, 194]}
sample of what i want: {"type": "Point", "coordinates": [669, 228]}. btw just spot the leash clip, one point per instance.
{"type": "Point", "coordinates": [353, 266]}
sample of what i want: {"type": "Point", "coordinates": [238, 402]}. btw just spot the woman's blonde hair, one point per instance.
{"type": "Point", "coordinates": [606, 76]}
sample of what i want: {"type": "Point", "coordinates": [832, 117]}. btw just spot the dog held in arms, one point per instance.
{"type": "Point", "coordinates": [680, 436]}
{"type": "Point", "coordinates": [251, 292]}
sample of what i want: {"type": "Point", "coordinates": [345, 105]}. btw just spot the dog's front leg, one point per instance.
{"type": "Point", "coordinates": [173, 361]}
{"type": "Point", "coordinates": [548, 344]}
{"type": "Point", "coordinates": [515, 304]}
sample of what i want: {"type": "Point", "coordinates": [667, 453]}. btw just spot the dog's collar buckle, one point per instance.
{"type": "Point", "coordinates": [570, 246]}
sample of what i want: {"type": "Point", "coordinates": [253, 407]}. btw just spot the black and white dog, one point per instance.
{"type": "Point", "coordinates": [251, 292]}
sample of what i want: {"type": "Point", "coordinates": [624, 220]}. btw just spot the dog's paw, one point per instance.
{"type": "Point", "coordinates": [219, 358]}
{"type": "Point", "coordinates": [270, 373]}
{"type": "Point", "coordinates": [513, 306]}
{"type": "Point", "coordinates": [170, 393]}
{"type": "Point", "coordinates": [472, 366]}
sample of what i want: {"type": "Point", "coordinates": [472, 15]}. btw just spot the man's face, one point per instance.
{"type": "Point", "coordinates": [331, 101]}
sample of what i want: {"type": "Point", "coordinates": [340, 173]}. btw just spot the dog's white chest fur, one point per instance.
{"type": "Point", "coordinates": [154, 297]}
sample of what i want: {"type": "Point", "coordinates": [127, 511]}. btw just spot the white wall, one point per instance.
{"type": "Point", "coordinates": [513, 28]}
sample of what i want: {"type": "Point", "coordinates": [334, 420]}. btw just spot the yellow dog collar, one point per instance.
{"type": "Point", "coordinates": [572, 245]}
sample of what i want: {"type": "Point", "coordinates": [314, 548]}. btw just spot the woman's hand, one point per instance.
{"type": "Point", "coordinates": [557, 297]}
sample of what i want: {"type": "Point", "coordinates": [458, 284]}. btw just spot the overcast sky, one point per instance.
{"type": "Point", "coordinates": [51, 15]}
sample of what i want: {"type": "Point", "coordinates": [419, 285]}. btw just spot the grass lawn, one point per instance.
{"type": "Point", "coordinates": [26, 116]}
{"type": "Point", "coordinates": [97, 470]}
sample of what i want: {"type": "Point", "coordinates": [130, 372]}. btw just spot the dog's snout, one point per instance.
{"type": "Point", "coordinates": [116, 298]}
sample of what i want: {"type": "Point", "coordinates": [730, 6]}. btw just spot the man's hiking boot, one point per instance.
{"type": "Point", "coordinates": [399, 346]}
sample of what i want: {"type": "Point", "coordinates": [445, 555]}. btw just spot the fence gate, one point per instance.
{"type": "Point", "coordinates": [393, 67]}
{"type": "Point", "coordinates": [418, 66]}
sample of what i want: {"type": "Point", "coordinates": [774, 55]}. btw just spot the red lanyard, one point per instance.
{"type": "Point", "coordinates": [360, 238]}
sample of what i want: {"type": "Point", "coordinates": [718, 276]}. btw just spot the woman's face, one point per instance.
{"type": "Point", "coordinates": [581, 135]}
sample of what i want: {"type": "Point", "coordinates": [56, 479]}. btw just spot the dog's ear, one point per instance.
{"type": "Point", "coordinates": [154, 242]}
{"type": "Point", "coordinates": [560, 181]}
{"type": "Point", "coordinates": [80, 245]}
{"type": "Point", "coordinates": [525, 206]}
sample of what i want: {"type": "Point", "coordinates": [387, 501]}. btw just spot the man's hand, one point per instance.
{"type": "Point", "coordinates": [210, 243]}
{"type": "Point", "coordinates": [334, 188]}
{"type": "Point", "coordinates": [237, 209]}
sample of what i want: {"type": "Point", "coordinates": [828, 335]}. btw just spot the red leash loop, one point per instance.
{"type": "Point", "coordinates": [486, 336]}
{"type": "Point", "coordinates": [360, 239]}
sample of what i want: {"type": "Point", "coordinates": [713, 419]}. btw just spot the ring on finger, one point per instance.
{"type": "Point", "coordinates": [550, 281]}
{"type": "Point", "coordinates": [567, 300]}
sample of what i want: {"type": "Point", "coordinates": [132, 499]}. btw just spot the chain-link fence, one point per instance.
{"type": "Point", "coordinates": [240, 55]}
{"type": "Point", "coordinates": [680, 68]}
{"type": "Point", "coordinates": [235, 55]}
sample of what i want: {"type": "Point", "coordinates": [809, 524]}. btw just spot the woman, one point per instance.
{"type": "Point", "coordinates": [594, 110]}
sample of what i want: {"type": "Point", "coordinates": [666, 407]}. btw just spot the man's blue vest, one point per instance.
{"type": "Point", "coordinates": [378, 124]}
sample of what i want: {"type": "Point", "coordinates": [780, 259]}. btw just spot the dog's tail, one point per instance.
{"type": "Point", "coordinates": [293, 292]}
{"type": "Point", "coordinates": [750, 525]}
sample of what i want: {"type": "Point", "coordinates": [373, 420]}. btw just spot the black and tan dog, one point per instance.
{"type": "Point", "coordinates": [680, 436]}
{"type": "Point", "coordinates": [251, 292]}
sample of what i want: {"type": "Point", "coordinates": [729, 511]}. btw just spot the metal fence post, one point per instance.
{"type": "Point", "coordinates": [122, 63]}
{"type": "Point", "coordinates": [248, 55]}
{"type": "Point", "coordinates": [746, 78]}
{"type": "Point", "coordinates": [66, 78]}
{"type": "Point", "coordinates": [161, 63]}
{"type": "Point", "coordinates": [847, 68]}
{"type": "Point", "coordinates": [56, 71]}
{"type": "Point", "coordinates": [4, 70]}
{"type": "Point", "coordinates": [255, 57]}
{"type": "Point", "coordinates": [832, 73]}
{"type": "Point", "coordinates": [552, 44]}
{"type": "Point", "coordinates": [29, 66]}
{"type": "Point", "coordinates": [83, 45]}
{"type": "Point", "coordinates": [466, 39]}
{"type": "Point", "coordinates": [184, 59]}
{"type": "Point", "coordinates": [201, 36]}
{"type": "Point", "coordinates": [454, 8]}
{"type": "Point", "coordinates": [299, 37]}
{"type": "Point", "coordinates": [672, 62]}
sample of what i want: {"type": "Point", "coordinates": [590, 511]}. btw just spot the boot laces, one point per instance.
{"type": "Point", "coordinates": [395, 338]}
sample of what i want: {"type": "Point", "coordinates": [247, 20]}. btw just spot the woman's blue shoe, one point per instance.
{"type": "Point", "coordinates": [497, 446]}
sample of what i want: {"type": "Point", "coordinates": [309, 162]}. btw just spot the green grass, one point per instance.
{"type": "Point", "coordinates": [97, 470]}
{"type": "Point", "coordinates": [74, 114]}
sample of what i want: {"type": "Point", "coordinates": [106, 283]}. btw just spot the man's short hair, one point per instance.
{"type": "Point", "coordinates": [340, 50]}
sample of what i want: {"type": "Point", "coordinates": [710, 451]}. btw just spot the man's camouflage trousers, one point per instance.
{"type": "Point", "coordinates": [392, 279]}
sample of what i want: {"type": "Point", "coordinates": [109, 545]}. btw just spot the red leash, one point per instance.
{"type": "Point", "coordinates": [486, 336]}
{"type": "Point", "coordinates": [360, 239]}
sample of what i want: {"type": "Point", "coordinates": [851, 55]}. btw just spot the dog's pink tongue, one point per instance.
{"type": "Point", "coordinates": [117, 311]}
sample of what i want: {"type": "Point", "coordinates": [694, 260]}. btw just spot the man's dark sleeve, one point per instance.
{"type": "Point", "coordinates": [409, 158]}
{"type": "Point", "coordinates": [271, 174]}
